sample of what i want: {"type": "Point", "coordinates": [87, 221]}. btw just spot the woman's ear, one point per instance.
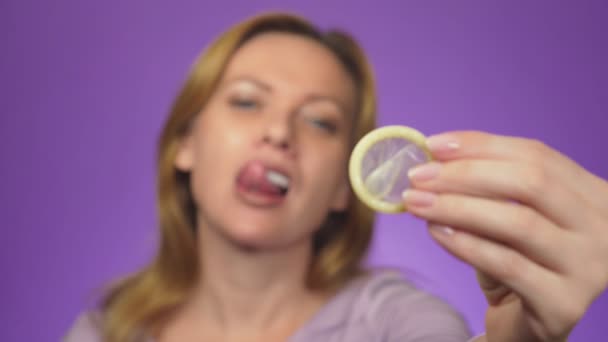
{"type": "Point", "coordinates": [184, 157]}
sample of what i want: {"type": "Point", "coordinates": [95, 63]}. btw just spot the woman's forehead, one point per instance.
{"type": "Point", "coordinates": [291, 61]}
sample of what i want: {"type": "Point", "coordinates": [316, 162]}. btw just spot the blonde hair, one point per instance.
{"type": "Point", "coordinates": [138, 304]}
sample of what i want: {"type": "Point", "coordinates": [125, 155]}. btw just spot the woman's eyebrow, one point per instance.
{"type": "Point", "coordinates": [327, 98]}
{"type": "Point", "coordinates": [248, 79]}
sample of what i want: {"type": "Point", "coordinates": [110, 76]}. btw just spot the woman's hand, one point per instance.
{"type": "Point", "coordinates": [533, 223]}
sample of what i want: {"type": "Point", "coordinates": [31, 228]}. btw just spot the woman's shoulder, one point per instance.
{"type": "Point", "coordinates": [389, 287]}
{"type": "Point", "coordinates": [387, 301]}
{"type": "Point", "coordinates": [86, 328]}
{"type": "Point", "coordinates": [383, 303]}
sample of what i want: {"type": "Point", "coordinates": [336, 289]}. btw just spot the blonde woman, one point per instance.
{"type": "Point", "coordinates": [261, 238]}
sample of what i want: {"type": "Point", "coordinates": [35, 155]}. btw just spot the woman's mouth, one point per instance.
{"type": "Point", "coordinates": [262, 183]}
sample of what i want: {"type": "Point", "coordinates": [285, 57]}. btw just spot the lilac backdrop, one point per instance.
{"type": "Point", "coordinates": [86, 86]}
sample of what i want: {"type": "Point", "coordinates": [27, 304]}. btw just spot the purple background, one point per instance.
{"type": "Point", "coordinates": [86, 86]}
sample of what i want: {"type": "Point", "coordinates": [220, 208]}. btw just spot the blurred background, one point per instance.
{"type": "Point", "coordinates": [86, 85]}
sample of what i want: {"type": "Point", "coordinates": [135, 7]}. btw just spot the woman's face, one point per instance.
{"type": "Point", "coordinates": [268, 153]}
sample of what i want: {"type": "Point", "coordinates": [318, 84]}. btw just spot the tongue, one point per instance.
{"type": "Point", "coordinates": [253, 178]}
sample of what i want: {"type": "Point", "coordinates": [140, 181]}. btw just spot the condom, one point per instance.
{"type": "Point", "coordinates": [379, 165]}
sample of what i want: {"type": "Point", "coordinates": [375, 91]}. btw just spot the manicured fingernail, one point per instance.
{"type": "Point", "coordinates": [417, 198]}
{"type": "Point", "coordinates": [424, 172]}
{"type": "Point", "coordinates": [442, 143]}
{"type": "Point", "coordinates": [441, 230]}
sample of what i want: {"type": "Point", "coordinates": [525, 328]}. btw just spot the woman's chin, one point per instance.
{"type": "Point", "coordinates": [260, 238]}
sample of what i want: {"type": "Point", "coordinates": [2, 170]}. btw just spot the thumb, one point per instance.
{"type": "Point", "coordinates": [494, 290]}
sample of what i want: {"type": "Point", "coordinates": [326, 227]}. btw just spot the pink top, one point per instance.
{"type": "Point", "coordinates": [378, 307]}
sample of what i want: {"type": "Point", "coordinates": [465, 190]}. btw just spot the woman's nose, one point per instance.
{"type": "Point", "coordinates": [278, 132]}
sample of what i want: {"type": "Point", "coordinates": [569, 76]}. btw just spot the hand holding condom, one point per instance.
{"type": "Point", "coordinates": [532, 222]}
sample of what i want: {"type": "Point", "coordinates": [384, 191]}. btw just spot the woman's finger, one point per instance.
{"type": "Point", "coordinates": [547, 296]}
{"type": "Point", "coordinates": [506, 180]}
{"type": "Point", "coordinates": [494, 290]}
{"type": "Point", "coordinates": [511, 224]}
{"type": "Point", "coordinates": [479, 145]}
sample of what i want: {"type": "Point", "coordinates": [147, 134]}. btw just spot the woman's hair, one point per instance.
{"type": "Point", "coordinates": [138, 304]}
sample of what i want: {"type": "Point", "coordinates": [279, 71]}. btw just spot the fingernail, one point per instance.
{"type": "Point", "coordinates": [417, 198]}
{"type": "Point", "coordinates": [441, 230]}
{"type": "Point", "coordinates": [424, 172]}
{"type": "Point", "coordinates": [442, 143]}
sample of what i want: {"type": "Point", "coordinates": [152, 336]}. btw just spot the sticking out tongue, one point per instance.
{"type": "Point", "coordinates": [256, 177]}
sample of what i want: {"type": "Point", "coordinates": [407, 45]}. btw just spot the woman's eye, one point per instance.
{"type": "Point", "coordinates": [245, 104]}
{"type": "Point", "coordinates": [323, 124]}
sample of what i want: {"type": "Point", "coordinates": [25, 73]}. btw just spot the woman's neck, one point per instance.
{"type": "Point", "coordinates": [244, 292]}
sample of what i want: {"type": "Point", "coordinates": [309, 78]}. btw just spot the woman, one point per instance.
{"type": "Point", "coordinates": [261, 238]}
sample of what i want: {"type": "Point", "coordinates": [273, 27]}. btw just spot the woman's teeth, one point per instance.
{"type": "Point", "coordinates": [277, 179]}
